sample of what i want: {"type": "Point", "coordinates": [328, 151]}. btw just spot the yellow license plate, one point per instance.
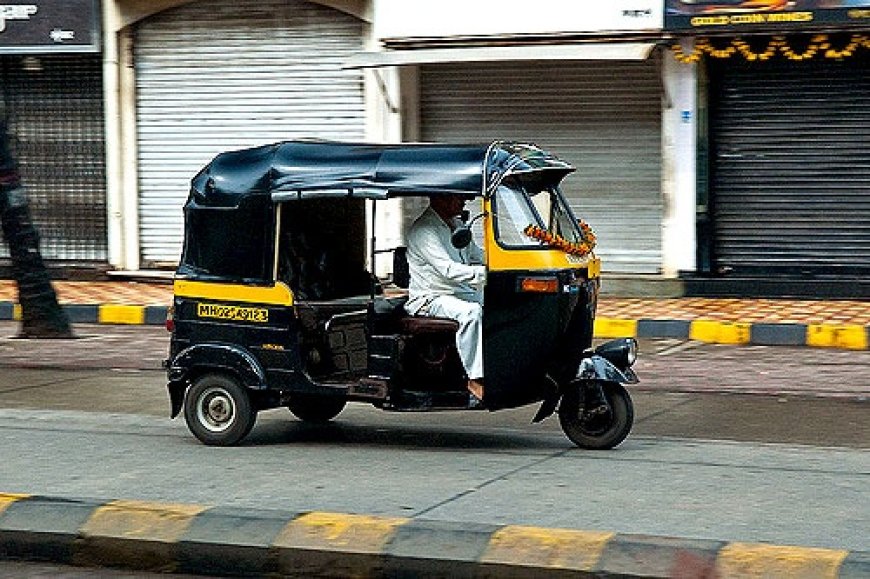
{"type": "Point", "coordinates": [234, 313]}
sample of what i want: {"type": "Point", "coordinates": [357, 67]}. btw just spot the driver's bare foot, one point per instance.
{"type": "Point", "coordinates": [476, 388]}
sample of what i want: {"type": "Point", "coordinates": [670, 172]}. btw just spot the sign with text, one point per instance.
{"type": "Point", "coordinates": [39, 26]}
{"type": "Point", "coordinates": [770, 15]}
{"type": "Point", "coordinates": [460, 19]}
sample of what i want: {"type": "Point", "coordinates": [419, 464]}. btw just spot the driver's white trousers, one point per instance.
{"type": "Point", "coordinates": [469, 338]}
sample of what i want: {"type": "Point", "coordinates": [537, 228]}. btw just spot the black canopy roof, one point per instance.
{"type": "Point", "coordinates": [307, 169]}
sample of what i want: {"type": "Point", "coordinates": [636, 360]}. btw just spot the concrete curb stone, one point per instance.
{"type": "Point", "coordinates": [663, 329]}
{"type": "Point", "coordinates": [856, 566]}
{"type": "Point", "coordinates": [82, 314]}
{"type": "Point", "coordinates": [43, 528]}
{"type": "Point", "coordinates": [231, 541]}
{"type": "Point", "coordinates": [147, 536]}
{"type": "Point", "coordinates": [778, 334]}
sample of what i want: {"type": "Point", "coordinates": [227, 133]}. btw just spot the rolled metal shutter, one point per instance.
{"type": "Point", "coordinates": [604, 118]}
{"type": "Point", "coordinates": [220, 75]}
{"type": "Point", "coordinates": [54, 108]}
{"type": "Point", "coordinates": [791, 167]}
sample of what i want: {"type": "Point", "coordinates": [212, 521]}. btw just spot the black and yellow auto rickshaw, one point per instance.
{"type": "Point", "coordinates": [275, 304]}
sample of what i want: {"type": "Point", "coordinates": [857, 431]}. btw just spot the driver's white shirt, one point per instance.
{"type": "Point", "coordinates": [439, 269]}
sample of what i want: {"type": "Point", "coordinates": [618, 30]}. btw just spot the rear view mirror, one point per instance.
{"type": "Point", "coordinates": [461, 237]}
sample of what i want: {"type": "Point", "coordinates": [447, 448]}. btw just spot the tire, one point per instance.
{"type": "Point", "coordinates": [218, 410]}
{"type": "Point", "coordinates": [317, 409]}
{"type": "Point", "coordinates": [599, 432]}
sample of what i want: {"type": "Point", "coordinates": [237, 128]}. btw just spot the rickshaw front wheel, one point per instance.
{"type": "Point", "coordinates": [218, 410]}
{"type": "Point", "coordinates": [316, 409]}
{"type": "Point", "coordinates": [601, 431]}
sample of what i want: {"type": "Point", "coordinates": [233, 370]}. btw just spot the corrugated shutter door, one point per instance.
{"type": "Point", "coordinates": [604, 118]}
{"type": "Point", "coordinates": [791, 171]}
{"type": "Point", "coordinates": [221, 75]}
{"type": "Point", "coordinates": [54, 107]}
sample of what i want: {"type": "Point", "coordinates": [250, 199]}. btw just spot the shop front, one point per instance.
{"type": "Point", "coordinates": [582, 81]}
{"type": "Point", "coordinates": [51, 97]}
{"type": "Point", "coordinates": [784, 194]}
{"type": "Point", "coordinates": [217, 75]}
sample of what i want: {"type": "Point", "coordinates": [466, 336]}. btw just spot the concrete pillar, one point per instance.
{"type": "Point", "coordinates": [679, 146]}
{"type": "Point", "coordinates": [114, 189]}
{"type": "Point", "coordinates": [383, 125]}
{"type": "Point", "coordinates": [119, 96]}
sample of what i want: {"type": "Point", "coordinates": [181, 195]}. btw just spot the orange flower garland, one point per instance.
{"type": "Point", "coordinates": [579, 249]}
{"type": "Point", "coordinates": [817, 44]}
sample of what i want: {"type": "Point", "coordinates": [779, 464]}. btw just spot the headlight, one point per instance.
{"type": "Point", "coordinates": [631, 358]}
{"type": "Point", "coordinates": [621, 353]}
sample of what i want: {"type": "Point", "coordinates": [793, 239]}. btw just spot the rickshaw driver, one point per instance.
{"type": "Point", "coordinates": [447, 282]}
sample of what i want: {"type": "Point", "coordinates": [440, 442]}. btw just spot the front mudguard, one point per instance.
{"type": "Point", "coordinates": [202, 358]}
{"type": "Point", "coordinates": [599, 368]}
{"type": "Point", "coordinates": [595, 367]}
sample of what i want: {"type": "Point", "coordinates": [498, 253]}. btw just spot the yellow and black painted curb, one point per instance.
{"type": "Point", "coordinates": [200, 539]}
{"type": "Point", "coordinates": [844, 336]}
{"type": "Point", "coordinates": [99, 314]}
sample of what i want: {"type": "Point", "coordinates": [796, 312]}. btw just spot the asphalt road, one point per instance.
{"type": "Point", "coordinates": [688, 389]}
{"type": "Point", "coordinates": [787, 465]}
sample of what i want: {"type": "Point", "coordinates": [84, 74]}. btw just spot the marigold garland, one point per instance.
{"type": "Point", "coordinates": [681, 56]}
{"type": "Point", "coordinates": [708, 47]}
{"type": "Point", "coordinates": [581, 249]}
{"type": "Point", "coordinates": [819, 43]}
{"type": "Point", "coordinates": [766, 54]}
{"type": "Point", "coordinates": [854, 43]}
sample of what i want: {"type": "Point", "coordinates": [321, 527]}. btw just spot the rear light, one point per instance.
{"type": "Point", "coordinates": [170, 319]}
{"type": "Point", "coordinates": [542, 285]}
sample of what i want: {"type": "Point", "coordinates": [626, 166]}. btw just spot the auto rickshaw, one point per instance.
{"type": "Point", "coordinates": [276, 304]}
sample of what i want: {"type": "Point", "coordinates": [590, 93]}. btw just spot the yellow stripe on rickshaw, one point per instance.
{"type": "Point", "coordinates": [275, 295]}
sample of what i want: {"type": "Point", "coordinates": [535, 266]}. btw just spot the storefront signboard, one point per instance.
{"type": "Point", "coordinates": [396, 20]}
{"type": "Point", "coordinates": [43, 26]}
{"type": "Point", "coordinates": [764, 15]}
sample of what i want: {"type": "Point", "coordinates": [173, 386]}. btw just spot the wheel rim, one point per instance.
{"type": "Point", "coordinates": [593, 426]}
{"type": "Point", "coordinates": [216, 409]}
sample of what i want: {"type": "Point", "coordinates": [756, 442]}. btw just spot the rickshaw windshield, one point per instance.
{"type": "Point", "coordinates": [515, 209]}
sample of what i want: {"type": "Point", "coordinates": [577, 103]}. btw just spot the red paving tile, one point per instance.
{"type": "Point", "coordinates": [760, 310]}
{"type": "Point", "coordinates": [125, 293]}
{"type": "Point", "coordinates": [742, 310]}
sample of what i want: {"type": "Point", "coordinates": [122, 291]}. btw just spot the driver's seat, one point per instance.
{"type": "Point", "coordinates": [415, 325]}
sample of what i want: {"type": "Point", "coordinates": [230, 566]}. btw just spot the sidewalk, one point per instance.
{"type": "Point", "coordinates": [824, 323]}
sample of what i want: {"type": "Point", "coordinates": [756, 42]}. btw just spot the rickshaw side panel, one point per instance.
{"type": "Point", "coordinates": [265, 335]}
{"type": "Point", "coordinates": [530, 336]}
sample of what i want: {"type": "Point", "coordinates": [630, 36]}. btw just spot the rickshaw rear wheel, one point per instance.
{"type": "Point", "coordinates": [218, 410]}
{"type": "Point", "coordinates": [602, 431]}
{"type": "Point", "coordinates": [317, 409]}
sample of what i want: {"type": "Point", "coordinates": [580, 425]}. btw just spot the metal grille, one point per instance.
{"type": "Point", "coordinates": [791, 167]}
{"type": "Point", "coordinates": [604, 118]}
{"type": "Point", "coordinates": [54, 109]}
{"type": "Point", "coordinates": [221, 75]}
